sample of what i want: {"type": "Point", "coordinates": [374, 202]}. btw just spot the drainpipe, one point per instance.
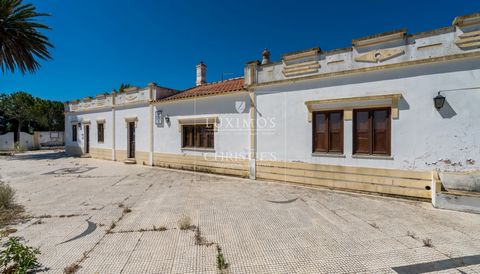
{"type": "Point", "coordinates": [114, 155]}
{"type": "Point", "coordinates": [253, 145]}
{"type": "Point", "coordinates": [250, 79]}
{"type": "Point", "coordinates": [151, 87]}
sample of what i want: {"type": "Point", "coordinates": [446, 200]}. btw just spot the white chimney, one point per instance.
{"type": "Point", "coordinates": [201, 73]}
{"type": "Point", "coordinates": [266, 56]}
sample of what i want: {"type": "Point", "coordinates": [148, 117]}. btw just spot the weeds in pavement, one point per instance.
{"type": "Point", "coordinates": [185, 223]}
{"type": "Point", "coordinates": [71, 268]}
{"type": "Point", "coordinates": [427, 242]}
{"type": "Point", "coordinates": [199, 239]}
{"type": "Point", "coordinates": [222, 264]}
{"type": "Point", "coordinates": [160, 228]}
{"type": "Point", "coordinates": [9, 210]}
{"type": "Point", "coordinates": [16, 257]}
{"type": "Point", "coordinates": [7, 196]}
{"type": "Point", "coordinates": [411, 234]}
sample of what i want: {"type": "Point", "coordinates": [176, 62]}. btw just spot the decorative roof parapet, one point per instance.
{"type": "Point", "coordinates": [467, 20]}
{"type": "Point", "coordinates": [382, 51]}
{"type": "Point", "coordinates": [381, 38]}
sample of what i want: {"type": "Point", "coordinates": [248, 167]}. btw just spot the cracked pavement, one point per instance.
{"type": "Point", "coordinates": [262, 227]}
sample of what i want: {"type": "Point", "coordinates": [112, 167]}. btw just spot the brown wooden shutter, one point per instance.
{"type": "Point", "coordinates": [362, 131]}
{"type": "Point", "coordinates": [335, 131]}
{"type": "Point", "coordinates": [381, 131]}
{"type": "Point", "coordinates": [320, 132]}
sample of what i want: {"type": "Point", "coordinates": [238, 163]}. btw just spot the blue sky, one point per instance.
{"type": "Point", "coordinates": [102, 43]}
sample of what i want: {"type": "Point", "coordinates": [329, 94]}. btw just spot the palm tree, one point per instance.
{"type": "Point", "coordinates": [21, 42]}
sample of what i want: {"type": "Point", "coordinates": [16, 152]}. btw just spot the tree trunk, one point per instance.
{"type": "Point", "coordinates": [19, 129]}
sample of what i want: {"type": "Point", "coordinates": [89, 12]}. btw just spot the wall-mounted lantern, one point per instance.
{"type": "Point", "coordinates": [439, 101]}
{"type": "Point", "coordinates": [167, 119]}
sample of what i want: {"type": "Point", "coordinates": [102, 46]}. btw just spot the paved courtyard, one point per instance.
{"type": "Point", "coordinates": [81, 214]}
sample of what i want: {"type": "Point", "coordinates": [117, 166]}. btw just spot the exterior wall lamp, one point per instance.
{"type": "Point", "coordinates": [167, 119]}
{"type": "Point", "coordinates": [439, 101]}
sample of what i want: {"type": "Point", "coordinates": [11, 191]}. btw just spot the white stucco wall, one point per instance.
{"type": "Point", "coordinates": [6, 141]}
{"type": "Point", "coordinates": [141, 131]}
{"type": "Point", "coordinates": [93, 117]}
{"type": "Point", "coordinates": [46, 137]}
{"type": "Point", "coordinates": [422, 137]}
{"type": "Point", "coordinates": [232, 136]}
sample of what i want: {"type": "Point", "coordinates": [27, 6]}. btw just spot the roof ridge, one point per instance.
{"type": "Point", "coordinates": [212, 83]}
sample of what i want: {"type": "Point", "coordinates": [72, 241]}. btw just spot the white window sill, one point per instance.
{"type": "Point", "coordinates": [332, 155]}
{"type": "Point", "coordinates": [377, 157]}
{"type": "Point", "coordinates": [198, 149]}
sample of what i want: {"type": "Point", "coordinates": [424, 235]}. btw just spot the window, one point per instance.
{"type": "Point", "coordinates": [197, 136]}
{"type": "Point", "coordinates": [100, 132]}
{"type": "Point", "coordinates": [371, 131]}
{"type": "Point", "coordinates": [74, 133]}
{"type": "Point", "coordinates": [328, 131]}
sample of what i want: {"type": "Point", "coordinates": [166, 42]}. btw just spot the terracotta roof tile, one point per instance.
{"type": "Point", "coordinates": [216, 88]}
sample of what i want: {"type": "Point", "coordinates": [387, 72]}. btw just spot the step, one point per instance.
{"type": "Point", "coordinates": [459, 200]}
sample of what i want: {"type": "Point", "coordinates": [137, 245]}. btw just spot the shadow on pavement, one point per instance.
{"type": "Point", "coordinates": [438, 265]}
{"type": "Point", "coordinates": [54, 155]}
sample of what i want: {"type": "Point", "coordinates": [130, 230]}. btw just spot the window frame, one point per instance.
{"type": "Point", "coordinates": [314, 125]}
{"type": "Point", "coordinates": [199, 136]}
{"type": "Point", "coordinates": [371, 132]}
{"type": "Point", "coordinates": [100, 140]}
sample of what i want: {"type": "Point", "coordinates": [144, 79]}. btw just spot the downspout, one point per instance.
{"type": "Point", "coordinates": [114, 155]}
{"type": "Point", "coordinates": [253, 144]}
{"type": "Point", "coordinates": [151, 87]}
{"type": "Point", "coordinates": [250, 73]}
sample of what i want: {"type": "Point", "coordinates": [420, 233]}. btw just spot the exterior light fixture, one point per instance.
{"type": "Point", "coordinates": [167, 119]}
{"type": "Point", "coordinates": [439, 101]}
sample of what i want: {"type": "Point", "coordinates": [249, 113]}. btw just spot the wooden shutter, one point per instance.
{"type": "Point", "coordinates": [361, 132]}
{"type": "Point", "coordinates": [320, 132]}
{"type": "Point", "coordinates": [335, 132]}
{"type": "Point", "coordinates": [381, 131]}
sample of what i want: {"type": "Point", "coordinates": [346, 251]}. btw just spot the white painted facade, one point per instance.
{"type": "Point", "coordinates": [232, 126]}
{"type": "Point", "coordinates": [405, 71]}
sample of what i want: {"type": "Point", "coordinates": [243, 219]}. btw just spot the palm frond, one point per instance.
{"type": "Point", "coordinates": [21, 43]}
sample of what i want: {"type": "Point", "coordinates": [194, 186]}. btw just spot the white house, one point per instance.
{"type": "Point", "coordinates": [388, 114]}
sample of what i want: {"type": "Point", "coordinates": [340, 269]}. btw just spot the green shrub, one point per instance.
{"type": "Point", "coordinates": [7, 196]}
{"type": "Point", "coordinates": [17, 258]}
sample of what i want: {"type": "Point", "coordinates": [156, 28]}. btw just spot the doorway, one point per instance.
{"type": "Point", "coordinates": [131, 140]}
{"type": "Point", "coordinates": [87, 139]}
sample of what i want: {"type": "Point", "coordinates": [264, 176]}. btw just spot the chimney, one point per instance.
{"type": "Point", "coordinates": [201, 73]}
{"type": "Point", "coordinates": [266, 56]}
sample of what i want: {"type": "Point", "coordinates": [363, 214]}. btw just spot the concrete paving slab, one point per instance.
{"type": "Point", "coordinates": [262, 227]}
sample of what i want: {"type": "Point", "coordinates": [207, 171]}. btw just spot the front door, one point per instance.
{"type": "Point", "coordinates": [87, 139]}
{"type": "Point", "coordinates": [131, 140]}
